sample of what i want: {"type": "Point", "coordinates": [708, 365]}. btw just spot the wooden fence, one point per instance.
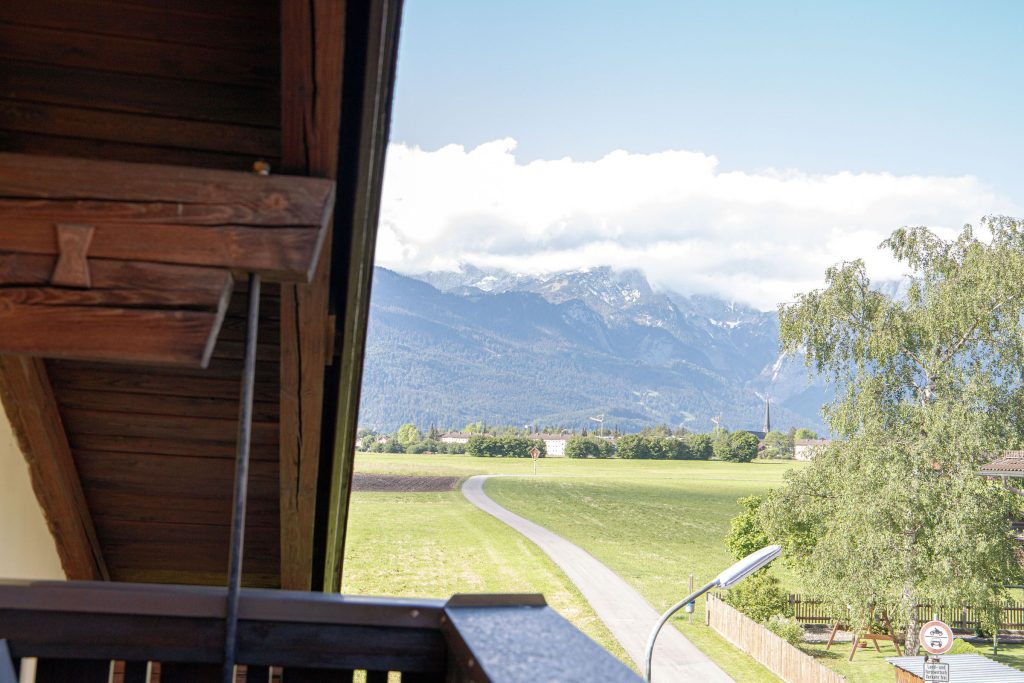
{"type": "Point", "coordinates": [1011, 615]}
{"type": "Point", "coordinates": [778, 656]}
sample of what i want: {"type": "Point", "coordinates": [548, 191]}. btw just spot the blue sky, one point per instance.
{"type": "Point", "coordinates": [904, 89]}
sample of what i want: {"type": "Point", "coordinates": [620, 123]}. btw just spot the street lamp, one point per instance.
{"type": "Point", "coordinates": [727, 579]}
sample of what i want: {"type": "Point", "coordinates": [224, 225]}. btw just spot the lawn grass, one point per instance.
{"type": "Point", "coordinates": [652, 522]}
{"type": "Point", "coordinates": [435, 544]}
{"type": "Point", "coordinates": [687, 504]}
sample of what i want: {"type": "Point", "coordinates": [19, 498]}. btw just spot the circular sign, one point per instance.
{"type": "Point", "coordinates": [936, 637]}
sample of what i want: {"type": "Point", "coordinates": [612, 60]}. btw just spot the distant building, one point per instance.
{"type": "Point", "coordinates": [555, 443]}
{"type": "Point", "coordinates": [1008, 464]}
{"type": "Point", "coordinates": [455, 437]}
{"type": "Point", "coordinates": [808, 449]}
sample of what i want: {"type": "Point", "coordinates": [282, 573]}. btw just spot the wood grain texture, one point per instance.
{"type": "Point", "coordinates": [167, 547]}
{"type": "Point", "coordinates": [58, 323]}
{"type": "Point", "coordinates": [48, 119]}
{"type": "Point", "coordinates": [15, 141]}
{"type": "Point", "coordinates": [107, 18]}
{"type": "Point", "coordinates": [87, 88]}
{"type": "Point", "coordinates": [312, 65]}
{"type": "Point", "coordinates": [222, 197]}
{"type": "Point", "coordinates": [279, 253]}
{"type": "Point", "coordinates": [120, 486]}
{"type": "Point", "coordinates": [256, 68]}
{"type": "Point", "coordinates": [355, 237]}
{"type": "Point", "coordinates": [28, 398]}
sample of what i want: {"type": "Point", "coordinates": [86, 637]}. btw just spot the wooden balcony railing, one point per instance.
{"type": "Point", "coordinates": [80, 632]}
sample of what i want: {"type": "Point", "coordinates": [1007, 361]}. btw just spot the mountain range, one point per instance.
{"type": "Point", "coordinates": [450, 348]}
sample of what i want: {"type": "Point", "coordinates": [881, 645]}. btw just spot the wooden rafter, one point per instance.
{"type": "Point", "coordinates": [382, 21]}
{"type": "Point", "coordinates": [311, 69]}
{"type": "Point", "coordinates": [28, 399]}
{"type": "Point", "coordinates": [105, 260]}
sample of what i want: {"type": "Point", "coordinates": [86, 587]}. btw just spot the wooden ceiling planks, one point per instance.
{"type": "Point", "coordinates": [180, 82]}
{"type": "Point", "coordinates": [155, 450]}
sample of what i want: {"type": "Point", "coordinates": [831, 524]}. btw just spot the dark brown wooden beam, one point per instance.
{"type": "Point", "coordinates": [353, 255]}
{"type": "Point", "coordinates": [142, 312]}
{"type": "Point", "coordinates": [27, 396]}
{"type": "Point", "coordinates": [312, 55]}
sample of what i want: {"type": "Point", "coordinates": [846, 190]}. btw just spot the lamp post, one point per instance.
{"type": "Point", "coordinates": [727, 579]}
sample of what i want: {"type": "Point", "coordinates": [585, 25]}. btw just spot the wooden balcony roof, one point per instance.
{"type": "Point", "coordinates": [131, 458]}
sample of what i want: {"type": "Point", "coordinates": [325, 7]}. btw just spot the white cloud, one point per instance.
{"type": "Point", "coordinates": [755, 237]}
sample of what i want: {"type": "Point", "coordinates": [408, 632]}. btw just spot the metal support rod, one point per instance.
{"type": "Point", "coordinates": [241, 477]}
{"type": "Point", "coordinates": [665, 617]}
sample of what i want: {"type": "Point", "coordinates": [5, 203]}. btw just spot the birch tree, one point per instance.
{"type": "Point", "coordinates": [928, 386]}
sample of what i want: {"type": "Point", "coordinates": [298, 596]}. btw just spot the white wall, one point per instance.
{"type": "Point", "coordinates": [27, 550]}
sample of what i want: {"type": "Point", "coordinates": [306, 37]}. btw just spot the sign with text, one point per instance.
{"type": "Point", "coordinates": [936, 637]}
{"type": "Point", "coordinates": [936, 671]}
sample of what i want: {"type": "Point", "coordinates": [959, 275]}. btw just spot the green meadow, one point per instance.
{"type": "Point", "coordinates": [653, 522]}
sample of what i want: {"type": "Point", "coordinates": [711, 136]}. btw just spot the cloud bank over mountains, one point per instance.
{"type": "Point", "coordinates": [756, 237]}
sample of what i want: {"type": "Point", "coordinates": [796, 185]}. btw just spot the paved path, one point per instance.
{"type": "Point", "coordinates": [628, 616]}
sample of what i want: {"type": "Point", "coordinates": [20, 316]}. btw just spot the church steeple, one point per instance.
{"type": "Point", "coordinates": [767, 415]}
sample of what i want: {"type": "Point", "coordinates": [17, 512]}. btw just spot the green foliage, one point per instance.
{"type": "Point", "coordinates": [720, 449]}
{"type": "Point", "coordinates": [408, 434]}
{"type": "Point", "coordinates": [588, 447]}
{"type": "Point", "coordinates": [742, 447]}
{"type": "Point", "coordinates": [746, 533]}
{"type": "Point", "coordinates": [651, 447]}
{"type": "Point", "coordinates": [804, 433]}
{"type": "Point", "coordinates": [389, 446]}
{"type": "Point", "coordinates": [787, 628]}
{"type": "Point", "coordinates": [759, 596]}
{"type": "Point", "coordinates": [504, 446]}
{"type": "Point", "coordinates": [778, 445]}
{"type": "Point", "coordinates": [418, 448]}
{"type": "Point", "coordinates": [962, 647]}
{"type": "Point", "coordinates": [927, 386]}
{"type": "Point", "coordinates": [699, 445]}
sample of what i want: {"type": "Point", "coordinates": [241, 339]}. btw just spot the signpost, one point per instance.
{"type": "Point", "coordinates": [535, 454]}
{"type": "Point", "coordinates": [936, 638]}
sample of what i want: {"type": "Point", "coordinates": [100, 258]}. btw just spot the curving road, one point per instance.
{"type": "Point", "coordinates": [627, 615]}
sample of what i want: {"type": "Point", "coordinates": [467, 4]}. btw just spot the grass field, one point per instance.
{"type": "Point", "coordinates": [652, 522]}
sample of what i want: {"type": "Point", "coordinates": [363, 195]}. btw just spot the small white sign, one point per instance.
{"type": "Point", "coordinates": [936, 672]}
{"type": "Point", "coordinates": [936, 637]}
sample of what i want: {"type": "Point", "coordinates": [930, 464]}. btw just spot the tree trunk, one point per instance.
{"type": "Point", "coordinates": [910, 642]}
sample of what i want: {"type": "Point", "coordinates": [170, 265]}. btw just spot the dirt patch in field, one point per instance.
{"type": "Point", "coordinates": [394, 483]}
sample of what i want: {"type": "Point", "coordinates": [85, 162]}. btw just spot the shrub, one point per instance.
{"type": "Point", "coordinates": [787, 628]}
{"type": "Point", "coordinates": [778, 445]}
{"type": "Point", "coordinates": [417, 448]}
{"type": "Point", "coordinates": [746, 533]}
{"type": "Point", "coordinates": [504, 446]}
{"type": "Point", "coordinates": [651, 447]}
{"type": "Point", "coordinates": [962, 647]}
{"type": "Point", "coordinates": [759, 596]}
{"type": "Point", "coordinates": [588, 447]}
{"type": "Point", "coordinates": [391, 446]}
{"type": "Point", "coordinates": [699, 445]}
{"type": "Point", "coordinates": [742, 447]}
{"type": "Point", "coordinates": [455, 448]}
